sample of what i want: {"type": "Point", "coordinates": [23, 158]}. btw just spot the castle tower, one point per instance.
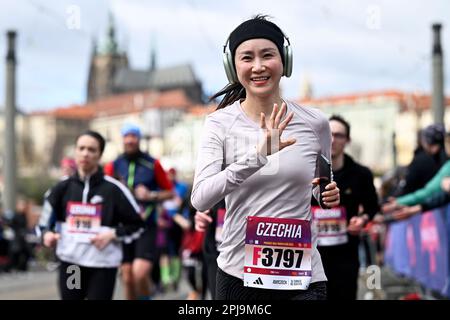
{"type": "Point", "coordinates": [104, 64]}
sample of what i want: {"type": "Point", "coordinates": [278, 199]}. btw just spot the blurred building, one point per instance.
{"type": "Point", "coordinates": [153, 111]}
{"type": "Point", "coordinates": [172, 124]}
{"type": "Point", "coordinates": [110, 73]}
{"type": "Point", "coordinates": [381, 122]}
{"type": "Point", "coordinates": [155, 98]}
{"type": "Point", "coordinates": [26, 153]}
{"type": "Point", "coordinates": [182, 141]}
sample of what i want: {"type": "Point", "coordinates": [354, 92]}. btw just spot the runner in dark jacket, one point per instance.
{"type": "Point", "coordinates": [339, 228]}
{"type": "Point", "coordinates": [87, 216]}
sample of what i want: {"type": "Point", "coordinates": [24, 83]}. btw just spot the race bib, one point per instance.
{"type": "Point", "coordinates": [219, 225]}
{"type": "Point", "coordinates": [277, 253]}
{"type": "Point", "coordinates": [331, 226]}
{"type": "Point", "coordinates": [83, 220]}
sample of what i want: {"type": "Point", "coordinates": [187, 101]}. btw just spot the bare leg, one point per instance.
{"type": "Point", "coordinates": [127, 279]}
{"type": "Point", "coordinates": [141, 277]}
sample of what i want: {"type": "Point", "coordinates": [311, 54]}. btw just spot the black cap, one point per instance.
{"type": "Point", "coordinates": [433, 134]}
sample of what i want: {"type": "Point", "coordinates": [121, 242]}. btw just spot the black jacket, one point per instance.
{"type": "Point", "coordinates": [355, 183]}
{"type": "Point", "coordinates": [119, 209]}
{"type": "Point", "coordinates": [115, 207]}
{"type": "Point", "coordinates": [422, 168]}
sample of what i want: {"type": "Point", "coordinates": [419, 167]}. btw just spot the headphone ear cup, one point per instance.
{"type": "Point", "coordinates": [288, 61]}
{"type": "Point", "coordinates": [229, 68]}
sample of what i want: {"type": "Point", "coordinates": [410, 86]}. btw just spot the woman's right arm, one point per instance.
{"type": "Point", "coordinates": [211, 183]}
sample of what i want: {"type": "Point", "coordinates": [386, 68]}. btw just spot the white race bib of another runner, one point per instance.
{"type": "Point", "coordinates": [170, 205]}
{"type": "Point", "coordinates": [331, 226]}
{"type": "Point", "coordinates": [277, 253]}
{"type": "Point", "coordinates": [83, 220]}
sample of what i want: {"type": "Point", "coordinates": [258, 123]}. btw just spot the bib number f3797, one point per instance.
{"type": "Point", "coordinates": [277, 253]}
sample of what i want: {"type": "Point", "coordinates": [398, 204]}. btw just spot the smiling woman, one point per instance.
{"type": "Point", "coordinates": [265, 170]}
{"type": "Point", "coordinates": [259, 67]}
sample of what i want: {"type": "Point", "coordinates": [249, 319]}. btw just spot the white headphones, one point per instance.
{"type": "Point", "coordinates": [230, 70]}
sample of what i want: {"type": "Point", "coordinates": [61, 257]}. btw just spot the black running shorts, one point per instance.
{"type": "Point", "coordinates": [144, 247]}
{"type": "Point", "coordinates": [232, 288]}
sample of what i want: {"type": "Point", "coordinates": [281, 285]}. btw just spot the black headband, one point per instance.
{"type": "Point", "coordinates": [257, 28]}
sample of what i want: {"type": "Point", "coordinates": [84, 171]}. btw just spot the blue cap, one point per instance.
{"type": "Point", "coordinates": [130, 128]}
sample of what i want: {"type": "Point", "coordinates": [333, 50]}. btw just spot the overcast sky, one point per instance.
{"type": "Point", "coordinates": [342, 46]}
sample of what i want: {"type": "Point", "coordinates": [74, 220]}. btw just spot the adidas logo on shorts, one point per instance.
{"type": "Point", "coordinates": [258, 281]}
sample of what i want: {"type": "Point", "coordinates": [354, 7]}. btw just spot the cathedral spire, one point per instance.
{"type": "Point", "coordinates": [94, 48]}
{"type": "Point", "coordinates": [153, 53]}
{"type": "Point", "coordinates": [111, 46]}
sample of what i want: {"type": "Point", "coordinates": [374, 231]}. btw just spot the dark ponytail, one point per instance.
{"type": "Point", "coordinates": [232, 91]}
